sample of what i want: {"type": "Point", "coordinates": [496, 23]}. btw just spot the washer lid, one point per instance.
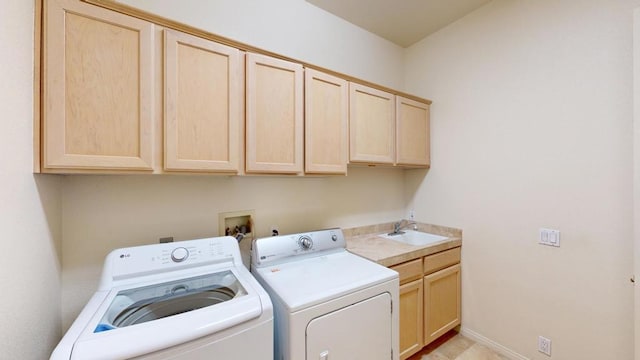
{"type": "Point", "coordinates": [304, 283]}
{"type": "Point", "coordinates": [147, 326]}
{"type": "Point", "coordinates": [157, 301]}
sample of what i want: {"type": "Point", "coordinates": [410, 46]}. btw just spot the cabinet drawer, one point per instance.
{"type": "Point", "coordinates": [409, 270]}
{"type": "Point", "coordinates": [441, 260]}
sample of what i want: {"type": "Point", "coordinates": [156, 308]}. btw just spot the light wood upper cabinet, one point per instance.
{"type": "Point", "coordinates": [387, 129]}
{"type": "Point", "coordinates": [98, 89]}
{"type": "Point", "coordinates": [115, 98]}
{"type": "Point", "coordinates": [326, 123]}
{"type": "Point", "coordinates": [204, 104]}
{"type": "Point", "coordinates": [412, 132]}
{"type": "Point", "coordinates": [274, 115]}
{"type": "Point", "coordinates": [371, 125]}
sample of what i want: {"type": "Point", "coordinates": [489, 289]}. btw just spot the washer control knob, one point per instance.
{"type": "Point", "coordinates": [179, 254]}
{"type": "Point", "coordinates": [334, 237]}
{"type": "Point", "coordinates": [305, 242]}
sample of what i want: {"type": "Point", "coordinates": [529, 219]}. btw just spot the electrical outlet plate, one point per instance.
{"type": "Point", "coordinates": [544, 345]}
{"type": "Point", "coordinates": [549, 237]}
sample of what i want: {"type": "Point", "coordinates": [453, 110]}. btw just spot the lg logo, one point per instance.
{"type": "Point", "coordinates": [122, 256]}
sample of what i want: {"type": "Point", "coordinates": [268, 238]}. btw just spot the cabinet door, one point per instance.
{"type": "Point", "coordinates": [274, 115]}
{"type": "Point", "coordinates": [204, 103]}
{"type": "Point", "coordinates": [412, 132]}
{"type": "Point", "coordinates": [441, 302]}
{"type": "Point", "coordinates": [411, 302]}
{"type": "Point", "coordinates": [371, 125]}
{"type": "Point", "coordinates": [98, 94]}
{"type": "Point", "coordinates": [326, 117]}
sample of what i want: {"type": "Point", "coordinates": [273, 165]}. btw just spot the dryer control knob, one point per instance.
{"type": "Point", "coordinates": [305, 242]}
{"type": "Point", "coordinates": [179, 254]}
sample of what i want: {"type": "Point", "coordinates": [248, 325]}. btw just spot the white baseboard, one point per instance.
{"type": "Point", "coordinates": [491, 344]}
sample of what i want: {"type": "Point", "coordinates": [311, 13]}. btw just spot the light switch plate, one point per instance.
{"type": "Point", "coordinates": [549, 237]}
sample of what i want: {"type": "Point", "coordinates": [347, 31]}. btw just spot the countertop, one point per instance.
{"type": "Point", "coordinates": [366, 242]}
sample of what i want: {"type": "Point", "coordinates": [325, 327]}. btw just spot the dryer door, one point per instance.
{"type": "Point", "coordinates": [359, 331]}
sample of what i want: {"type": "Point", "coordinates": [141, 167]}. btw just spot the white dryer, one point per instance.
{"type": "Point", "coordinates": [329, 304]}
{"type": "Point", "coordinates": [184, 300]}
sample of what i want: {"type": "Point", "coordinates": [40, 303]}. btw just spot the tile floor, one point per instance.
{"type": "Point", "coordinates": [453, 346]}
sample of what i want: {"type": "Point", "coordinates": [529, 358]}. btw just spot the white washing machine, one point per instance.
{"type": "Point", "coordinates": [329, 304]}
{"type": "Point", "coordinates": [184, 300]}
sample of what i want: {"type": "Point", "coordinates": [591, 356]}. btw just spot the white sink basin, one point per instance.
{"type": "Point", "coordinates": [413, 237]}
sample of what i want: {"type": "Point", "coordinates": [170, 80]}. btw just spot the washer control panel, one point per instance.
{"type": "Point", "coordinates": [126, 262]}
{"type": "Point", "coordinates": [284, 247]}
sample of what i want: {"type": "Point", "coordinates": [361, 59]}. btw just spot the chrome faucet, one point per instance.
{"type": "Point", "coordinates": [397, 227]}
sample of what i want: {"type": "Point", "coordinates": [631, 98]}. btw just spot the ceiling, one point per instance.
{"type": "Point", "coordinates": [403, 22]}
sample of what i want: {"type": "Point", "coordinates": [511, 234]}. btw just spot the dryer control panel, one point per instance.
{"type": "Point", "coordinates": [270, 250]}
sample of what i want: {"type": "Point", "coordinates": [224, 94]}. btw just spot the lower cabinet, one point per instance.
{"type": "Point", "coordinates": [441, 302]}
{"type": "Point", "coordinates": [430, 299]}
{"type": "Point", "coordinates": [411, 334]}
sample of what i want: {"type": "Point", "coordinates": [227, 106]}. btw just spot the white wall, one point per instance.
{"type": "Point", "coordinates": [531, 128]}
{"type": "Point", "coordinates": [30, 207]}
{"type": "Point", "coordinates": [293, 28]}
{"type": "Point", "coordinates": [105, 212]}
{"type": "Point", "coordinates": [636, 172]}
{"type": "Point", "coordinates": [507, 82]}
